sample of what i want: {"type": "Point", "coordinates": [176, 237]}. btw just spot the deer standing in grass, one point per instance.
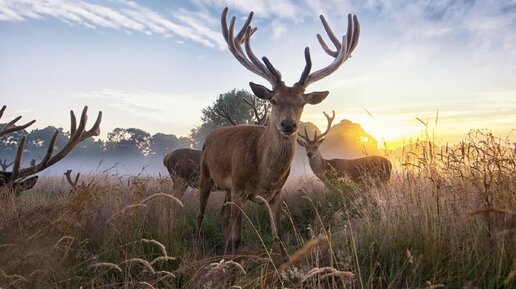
{"type": "Point", "coordinates": [21, 179]}
{"type": "Point", "coordinates": [252, 162]}
{"type": "Point", "coordinates": [359, 170]}
{"type": "Point", "coordinates": [183, 164]}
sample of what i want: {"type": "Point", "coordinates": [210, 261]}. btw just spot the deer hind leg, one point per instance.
{"type": "Point", "coordinates": [225, 216]}
{"type": "Point", "coordinates": [205, 185]}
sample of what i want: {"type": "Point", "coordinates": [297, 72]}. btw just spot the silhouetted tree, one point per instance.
{"type": "Point", "coordinates": [348, 139]}
{"type": "Point", "coordinates": [231, 101]}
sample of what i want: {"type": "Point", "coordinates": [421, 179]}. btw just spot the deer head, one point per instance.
{"type": "Point", "coordinates": [312, 145]}
{"type": "Point", "coordinates": [20, 179]}
{"type": "Point", "coordinates": [288, 101]}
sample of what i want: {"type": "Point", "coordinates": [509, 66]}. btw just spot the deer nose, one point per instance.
{"type": "Point", "coordinates": [288, 125]}
{"type": "Point", "coordinates": [309, 155]}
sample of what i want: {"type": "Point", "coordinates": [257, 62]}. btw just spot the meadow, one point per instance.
{"type": "Point", "coordinates": [446, 219]}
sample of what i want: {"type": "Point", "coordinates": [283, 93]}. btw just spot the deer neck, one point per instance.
{"type": "Point", "coordinates": [277, 152]}
{"type": "Point", "coordinates": [318, 164]}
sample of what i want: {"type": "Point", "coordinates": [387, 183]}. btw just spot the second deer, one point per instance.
{"type": "Point", "coordinates": [360, 170]}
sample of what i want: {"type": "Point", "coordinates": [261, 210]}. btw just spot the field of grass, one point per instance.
{"type": "Point", "coordinates": [446, 219]}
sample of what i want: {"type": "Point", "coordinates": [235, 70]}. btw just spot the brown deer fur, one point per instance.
{"type": "Point", "coordinates": [253, 162]}
{"type": "Point", "coordinates": [183, 166]}
{"type": "Point", "coordinates": [359, 170]}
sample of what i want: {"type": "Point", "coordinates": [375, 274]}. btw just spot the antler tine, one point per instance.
{"type": "Point", "coordinates": [73, 184]}
{"type": "Point", "coordinates": [76, 136]}
{"type": "Point", "coordinates": [2, 110]}
{"type": "Point", "coordinates": [328, 126]}
{"type": "Point", "coordinates": [252, 104]}
{"type": "Point", "coordinates": [11, 127]}
{"type": "Point", "coordinates": [250, 61]}
{"type": "Point", "coordinates": [18, 158]}
{"type": "Point", "coordinates": [343, 50]}
{"type": "Point", "coordinates": [305, 137]}
{"type": "Point", "coordinates": [224, 113]}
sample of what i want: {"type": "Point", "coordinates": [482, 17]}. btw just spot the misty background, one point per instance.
{"type": "Point", "coordinates": [133, 151]}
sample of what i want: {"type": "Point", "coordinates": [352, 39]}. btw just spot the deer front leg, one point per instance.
{"type": "Point", "coordinates": [235, 222]}
{"type": "Point", "coordinates": [276, 204]}
{"type": "Point", "coordinates": [274, 210]}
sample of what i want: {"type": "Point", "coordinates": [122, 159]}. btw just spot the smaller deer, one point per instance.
{"type": "Point", "coordinates": [183, 166]}
{"type": "Point", "coordinates": [358, 170]}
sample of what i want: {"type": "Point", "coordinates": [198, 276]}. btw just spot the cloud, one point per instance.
{"type": "Point", "coordinates": [128, 16]}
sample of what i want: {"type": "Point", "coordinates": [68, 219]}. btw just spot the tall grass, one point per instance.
{"type": "Point", "coordinates": [446, 219]}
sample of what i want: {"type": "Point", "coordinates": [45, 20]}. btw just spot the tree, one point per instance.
{"type": "Point", "coordinates": [348, 139]}
{"type": "Point", "coordinates": [232, 102]}
{"type": "Point", "coordinates": [38, 141]}
{"type": "Point", "coordinates": [130, 141]}
{"type": "Point", "coordinates": [9, 143]}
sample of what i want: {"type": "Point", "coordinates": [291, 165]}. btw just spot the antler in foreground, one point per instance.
{"type": "Point", "coordinates": [18, 179]}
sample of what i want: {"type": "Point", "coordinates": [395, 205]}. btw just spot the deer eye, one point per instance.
{"type": "Point", "coordinates": [272, 101]}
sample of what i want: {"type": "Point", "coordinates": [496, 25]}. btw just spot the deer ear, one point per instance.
{"type": "Point", "coordinates": [301, 142]}
{"type": "Point", "coordinates": [260, 91]}
{"type": "Point", "coordinates": [25, 185]}
{"type": "Point", "coordinates": [315, 97]}
{"type": "Point", "coordinates": [320, 141]}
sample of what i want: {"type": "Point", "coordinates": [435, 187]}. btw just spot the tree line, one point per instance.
{"type": "Point", "coordinates": [136, 143]}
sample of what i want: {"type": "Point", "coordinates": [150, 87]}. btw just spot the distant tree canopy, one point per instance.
{"type": "Point", "coordinates": [349, 139]}
{"type": "Point", "coordinates": [232, 102]}
{"type": "Point", "coordinates": [345, 139]}
{"type": "Point", "coordinates": [121, 142]}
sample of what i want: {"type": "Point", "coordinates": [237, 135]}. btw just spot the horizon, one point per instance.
{"type": "Point", "coordinates": [136, 61]}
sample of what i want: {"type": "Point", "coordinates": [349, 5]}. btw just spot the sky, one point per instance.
{"type": "Point", "coordinates": [154, 65]}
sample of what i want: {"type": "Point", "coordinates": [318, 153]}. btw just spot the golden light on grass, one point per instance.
{"type": "Point", "coordinates": [309, 246]}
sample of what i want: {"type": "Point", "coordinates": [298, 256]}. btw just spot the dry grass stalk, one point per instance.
{"type": "Point", "coordinates": [70, 238]}
{"type": "Point", "coordinates": [166, 273]}
{"type": "Point", "coordinates": [121, 212]}
{"type": "Point", "coordinates": [222, 265]}
{"type": "Point", "coordinates": [162, 258]}
{"type": "Point", "coordinates": [161, 246]}
{"type": "Point", "coordinates": [146, 284]}
{"type": "Point", "coordinates": [492, 210]}
{"type": "Point", "coordinates": [163, 195]}
{"type": "Point", "coordinates": [107, 265]}
{"type": "Point", "coordinates": [326, 272]}
{"type": "Point", "coordinates": [305, 251]}
{"type": "Point", "coordinates": [510, 277]}
{"type": "Point", "coordinates": [434, 286]}
{"type": "Point", "coordinates": [141, 261]}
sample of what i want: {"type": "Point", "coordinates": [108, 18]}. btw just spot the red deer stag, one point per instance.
{"type": "Point", "coordinates": [183, 164]}
{"type": "Point", "coordinates": [252, 162]}
{"type": "Point", "coordinates": [21, 179]}
{"type": "Point", "coordinates": [359, 170]}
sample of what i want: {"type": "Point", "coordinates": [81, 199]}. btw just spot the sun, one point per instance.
{"type": "Point", "coordinates": [387, 130]}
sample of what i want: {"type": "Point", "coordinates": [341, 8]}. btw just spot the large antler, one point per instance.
{"type": "Point", "coordinates": [341, 54]}
{"type": "Point", "coordinates": [77, 135]}
{"type": "Point", "coordinates": [260, 120]}
{"type": "Point", "coordinates": [11, 126]}
{"type": "Point", "coordinates": [249, 61]}
{"type": "Point", "coordinates": [318, 138]}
